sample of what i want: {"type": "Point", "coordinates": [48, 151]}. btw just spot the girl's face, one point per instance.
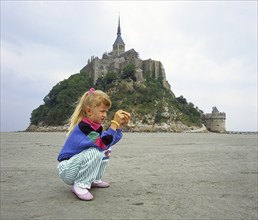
{"type": "Point", "coordinates": [97, 114]}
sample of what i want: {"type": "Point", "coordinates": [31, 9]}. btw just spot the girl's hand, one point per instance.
{"type": "Point", "coordinates": [125, 120]}
{"type": "Point", "coordinates": [122, 118]}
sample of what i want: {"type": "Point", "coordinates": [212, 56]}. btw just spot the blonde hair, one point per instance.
{"type": "Point", "coordinates": [92, 98]}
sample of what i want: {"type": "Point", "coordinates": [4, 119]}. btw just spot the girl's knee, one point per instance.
{"type": "Point", "coordinates": [91, 155]}
{"type": "Point", "coordinates": [96, 153]}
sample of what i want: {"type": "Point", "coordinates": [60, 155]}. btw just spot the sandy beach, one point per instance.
{"type": "Point", "coordinates": [152, 176]}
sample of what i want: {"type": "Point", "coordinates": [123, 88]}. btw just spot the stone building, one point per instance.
{"type": "Point", "coordinates": [215, 121]}
{"type": "Point", "coordinates": [118, 58]}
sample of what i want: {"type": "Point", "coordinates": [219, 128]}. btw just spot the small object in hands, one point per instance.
{"type": "Point", "coordinates": [127, 115]}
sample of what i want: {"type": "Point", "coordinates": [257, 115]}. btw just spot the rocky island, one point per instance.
{"type": "Point", "coordinates": [137, 85]}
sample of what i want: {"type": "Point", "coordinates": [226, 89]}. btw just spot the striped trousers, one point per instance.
{"type": "Point", "coordinates": [84, 168]}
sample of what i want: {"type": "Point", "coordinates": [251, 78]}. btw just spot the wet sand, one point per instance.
{"type": "Point", "coordinates": [152, 176]}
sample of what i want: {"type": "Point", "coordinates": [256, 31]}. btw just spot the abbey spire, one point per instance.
{"type": "Point", "coordinates": [119, 45]}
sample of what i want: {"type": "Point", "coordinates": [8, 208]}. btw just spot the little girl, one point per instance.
{"type": "Point", "coordinates": [85, 154]}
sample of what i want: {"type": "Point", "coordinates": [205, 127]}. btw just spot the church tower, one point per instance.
{"type": "Point", "coordinates": [119, 45]}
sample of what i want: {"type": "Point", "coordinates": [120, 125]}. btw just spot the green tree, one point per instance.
{"type": "Point", "coordinates": [143, 98]}
{"type": "Point", "coordinates": [129, 72]}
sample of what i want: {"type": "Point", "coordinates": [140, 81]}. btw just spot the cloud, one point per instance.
{"type": "Point", "coordinates": [208, 50]}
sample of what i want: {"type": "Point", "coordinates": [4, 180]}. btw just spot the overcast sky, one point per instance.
{"type": "Point", "coordinates": [208, 50]}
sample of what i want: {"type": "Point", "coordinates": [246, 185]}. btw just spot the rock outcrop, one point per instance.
{"type": "Point", "coordinates": [139, 127]}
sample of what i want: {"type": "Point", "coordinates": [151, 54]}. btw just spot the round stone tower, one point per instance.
{"type": "Point", "coordinates": [215, 121]}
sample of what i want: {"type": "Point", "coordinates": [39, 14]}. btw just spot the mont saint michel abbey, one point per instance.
{"type": "Point", "coordinates": [118, 58]}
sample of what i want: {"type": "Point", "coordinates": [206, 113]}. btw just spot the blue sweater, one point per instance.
{"type": "Point", "coordinates": [88, 134]}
